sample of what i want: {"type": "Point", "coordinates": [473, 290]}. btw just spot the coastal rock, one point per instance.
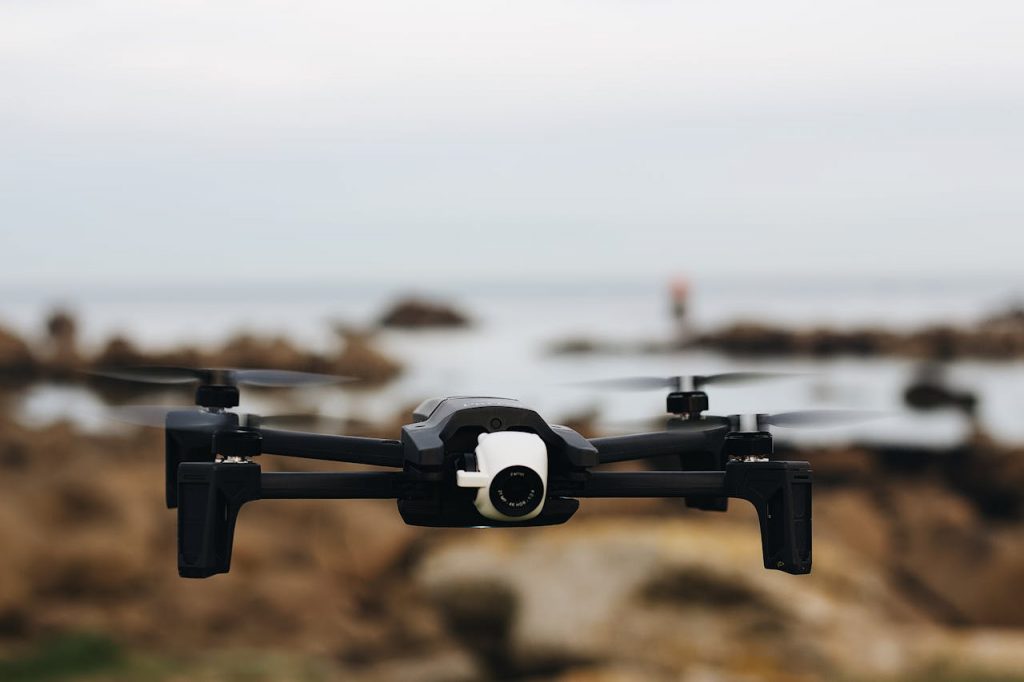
{"type": "Point", "coordinates": [675, 597]}
{"type": "Point", "coordinates": [17, 361]}
{"type": "Point", "coordinates": [618, 593]}
{"type": "Point", "coordinates": [361, 359]}
{"type": "Point", "coordinates": [999, 337]}
{"type": "Point", "coordinates": [357, 357]}
{"type": "Point", "coordinates": [418, 313]}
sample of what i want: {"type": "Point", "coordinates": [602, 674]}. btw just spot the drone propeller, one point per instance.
{"type": "Point", "coordinates": [800, 419]}
{"type": "Point", "coordinates": [658, 424]}
{"type": "Point", "coordinates": [226, 375]}
{"type": "Point", "coordinates": [199, 418]}
{"type": "Point", "coordinates": [805, 419]}
{"type": "Point", "coordinates": [156, 415]}
{"type": "Point", "coordinates": [297, 422]}
{"type": "Point", "coordinates": [683, 382]}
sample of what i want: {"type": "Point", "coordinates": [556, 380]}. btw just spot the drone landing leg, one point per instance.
{"type": "Point", "coordinates": [210, 494]}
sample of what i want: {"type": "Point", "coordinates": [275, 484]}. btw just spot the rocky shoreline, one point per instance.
{"type": "Point", "coordinates": [905, 561]}
{"type": "Point", "coordinates": [919, 557]}
{"type": "Point", "coordinates": [57, 356]}
{"type": "Point", "coordinates": [997, 338]}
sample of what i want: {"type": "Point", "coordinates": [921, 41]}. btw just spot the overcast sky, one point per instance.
{"type": "Point", "coordinates": [158, 140]}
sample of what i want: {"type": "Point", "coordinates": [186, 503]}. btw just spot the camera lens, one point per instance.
{"type": "Point", "coordinates": [517, 491]}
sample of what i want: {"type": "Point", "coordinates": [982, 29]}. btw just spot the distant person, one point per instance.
{"type": "Point", "coordinates": [679, 290]}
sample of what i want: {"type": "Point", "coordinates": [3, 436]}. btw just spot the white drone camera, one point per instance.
{"type": "Point", "coordinates": [511, 475]}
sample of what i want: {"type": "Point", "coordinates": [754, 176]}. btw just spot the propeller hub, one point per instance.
{"type": "Point", "coordinates": [217, 395]}
{"type": "Point", "coordinates": [690, 403]}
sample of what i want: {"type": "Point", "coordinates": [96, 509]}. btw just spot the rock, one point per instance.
{"type": "Point", "coordinates": [119, 352]}
{"type": "Point", "coordinates": [451, 666]}
{"type": "Point", "coordinates": [667, 594]}
{"type": "Point", "coordinates": [249, 350]}
{"type": "Point", "coordinates": [360, 359]}
{"type": "Point", "coordinates": [1000, 337]}
{"type": "Point", "coordinates": [17, 361]}
{"type": "Point", "coordinates": [1010, 319]}
{"type": "Point", "coordinates": [578, 346]}
{"type": "Point", "coordinates": [417, 313]}
{"type": "Point", "coordinates": [677, 597]}
{"type": "Point", "coordinates": [748, 338]}
{"type": "Point", "coordinates": [978, 560]}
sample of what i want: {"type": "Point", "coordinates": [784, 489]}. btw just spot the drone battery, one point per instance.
{"type": "Point", "coordinates": [210, 495]}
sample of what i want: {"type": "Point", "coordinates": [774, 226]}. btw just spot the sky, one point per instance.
{"type": "Point", "coordinates": [167, 141]}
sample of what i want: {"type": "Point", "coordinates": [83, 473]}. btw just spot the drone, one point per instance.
{"type": "Point", "coordinates": [472, 462]}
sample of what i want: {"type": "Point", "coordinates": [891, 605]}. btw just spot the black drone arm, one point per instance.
{"type": "Point", "coordinates": [353, 449]}
{"type": "Point", "coordinates": [652, 484]}
{"type": "Point", "coordinates": [365, 485]}
{"type": "Point", "coordinates": [657, 444]}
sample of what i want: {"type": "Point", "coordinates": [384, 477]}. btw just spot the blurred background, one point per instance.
{"type": "Point", "coordinates": [503, 199]}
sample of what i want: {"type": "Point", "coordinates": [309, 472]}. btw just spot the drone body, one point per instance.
{"type": "Point", "coordinates": [475, 462]}
{"type": "Point", "coordinates": [470, 462]}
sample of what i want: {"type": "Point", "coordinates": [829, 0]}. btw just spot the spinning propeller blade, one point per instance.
{"type": "Point", "coordinates": [227, 375]}
{"type": "Point", "coordinates": [800, 419]}
{"type": "Point", "coordinates": [726, 378]}
{"type": "Point", "coordinates": [683, 382]}
{"type": "Point", "coordinates": [627, 383]}
{"type": "Point", "coordinates": [150, 375]}
{"type": "Point", "coordinates": [283, 377]}
{"type": "Point", "coordinates": [156, 415]}
{"type": "Point", "coordinates": [195, 417]}
{"type": "Point", "coordinates": [820, 418]}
